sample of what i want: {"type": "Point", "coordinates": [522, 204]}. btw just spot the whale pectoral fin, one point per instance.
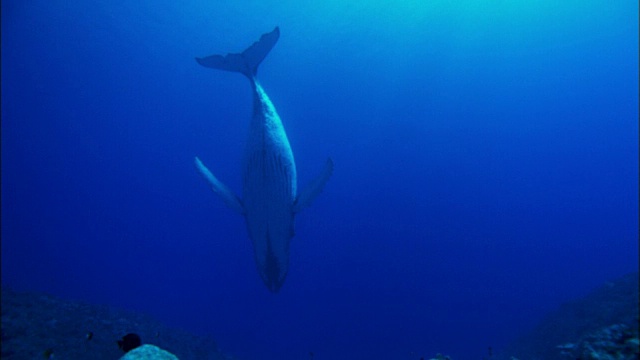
{"type": "Point", "coordinates": [309, 193]}
{"type": "Point", "coordinates": [219, 188]}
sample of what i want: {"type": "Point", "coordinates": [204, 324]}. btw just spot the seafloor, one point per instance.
{"type": "Point", "coordinates": [39, 326]}
{"type": "Point", "coordinates": [603, 325]}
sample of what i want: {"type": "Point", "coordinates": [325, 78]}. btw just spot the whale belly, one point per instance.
{"type": "Point", "coordinates": [269, 193]}
{"type": "Point", "coordinates": [268, 201]}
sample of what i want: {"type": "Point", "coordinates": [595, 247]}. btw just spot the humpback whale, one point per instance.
{"type": "Point", "coordinates": [270, 198]}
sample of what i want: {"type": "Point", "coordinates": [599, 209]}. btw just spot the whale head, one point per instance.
{"type": "Point", "coordinates": [272, 259]}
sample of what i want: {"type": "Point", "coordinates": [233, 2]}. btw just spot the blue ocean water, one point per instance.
{"type": "Point", "coordinates": [486, 166]}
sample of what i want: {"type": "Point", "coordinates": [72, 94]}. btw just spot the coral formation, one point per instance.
{"type": "Point", "coordinates": [615, 342]}
{"type": "Point", "coordinates": [148, 352]}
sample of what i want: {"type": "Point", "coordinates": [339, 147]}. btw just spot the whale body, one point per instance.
{"type": "Point", "coordinates": [270, 198]}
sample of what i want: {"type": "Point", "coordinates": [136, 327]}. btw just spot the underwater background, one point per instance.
{"type": "Point", "coordinates": [486, 166]}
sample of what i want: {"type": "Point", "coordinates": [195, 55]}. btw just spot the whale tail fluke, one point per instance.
{"type": "Point", "coordinates": [246, 62]}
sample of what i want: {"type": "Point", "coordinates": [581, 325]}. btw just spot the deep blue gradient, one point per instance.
{"type": "Point", "coordinates": [486, 166]}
